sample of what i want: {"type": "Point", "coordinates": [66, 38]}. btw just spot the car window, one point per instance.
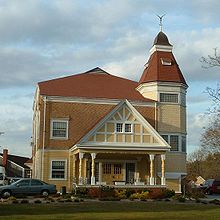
{"type": "Point", "coordinates": [36, 183]}
{"type": "Point", "coordinates": [217, 183]}
{"type": "Point", "coordinates": [23, 183]}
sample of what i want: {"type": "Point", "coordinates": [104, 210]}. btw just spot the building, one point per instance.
{"type": "Point", "coordinates": [95, 128]}
{"type": "Point", "coordinates": [15, 166]}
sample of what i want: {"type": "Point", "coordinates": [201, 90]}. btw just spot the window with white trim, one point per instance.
{"type": "Point", "coordinates": [119, 127]}
{"type": "Point", "coordinates": [59, 129]}
{"type": "Point", "coordinates": [123, 127]}
{"type": "Point", "coordinates": [58, 169]}
{"type": "Point", "coordinates": [173, 141]}
{"type": "Point", "coordinates": [169, 97]}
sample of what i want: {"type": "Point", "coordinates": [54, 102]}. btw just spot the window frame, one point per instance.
{"type": "Point", "coordinates": [169, 93]}
{"type": "Point", "coordinates": [65, 169]}
{"type": "Point", "coordinates": [123, 128]}
{"type": "Point", "coordinates": [67, 129]}
{"type": "Point", "coordinates": [180, 138]}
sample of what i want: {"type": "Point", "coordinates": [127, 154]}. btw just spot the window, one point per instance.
{"type": "Point", "coordinates": [168, 97]}
{"type": "Point", "coordinates": [23, 183]}
{"type": "Point", "coordinates": [166, 61]}
{"type": "Point", "coordinates": [165, 137]}
{"type": "Point", "coordinates": [117, 168]}
{"type": "Point", "coordinates": [174, 142]}
{"type": "Point", "coordinates": [183, 144]}
{"type": "Point", "coordinates": [58, 169]}
{"type": "Point", "coordinates": [59, 129]}
{"type": "Point", "coordinates": [107, 168]}
{"type": "Point", "coordinates": [183, 99]}
{"type": "Point", "coordinates": [177, 142]}
{"type": "Point", "coordinates": [121, 127]}
{"type": "Point", "coordinates": [128, 128]}
{"type": "Point", "coordinates": [36, 183]}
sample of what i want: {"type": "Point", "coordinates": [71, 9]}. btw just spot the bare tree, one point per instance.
{"type": "Point", "coordinates": [214, 93]}
{"type": "Point", "coordinates": [211, 60]}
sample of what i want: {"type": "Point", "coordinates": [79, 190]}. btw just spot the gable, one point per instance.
{"type": "Point", "coordinates": [124, 126]}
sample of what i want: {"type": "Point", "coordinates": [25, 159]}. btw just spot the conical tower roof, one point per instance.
{"type": "Point", "coordinates": [161, 39]}
{"type": "Point", "coordinates": [162, 65]}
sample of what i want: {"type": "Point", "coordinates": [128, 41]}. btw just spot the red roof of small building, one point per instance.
{"type": "Point", "coordinates": [159, 72]}
{"type": "Point", "coordinates": [95, 83]}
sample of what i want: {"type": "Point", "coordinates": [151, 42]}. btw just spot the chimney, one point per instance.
{"type": "Point", "coordinates": [5, 157]}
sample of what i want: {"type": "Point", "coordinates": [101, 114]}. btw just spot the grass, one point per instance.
{"type": "Point", "coordinates": [110, 210]}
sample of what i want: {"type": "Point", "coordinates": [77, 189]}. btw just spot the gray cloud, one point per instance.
{"type": "Point", "coordinates": [41, 40]}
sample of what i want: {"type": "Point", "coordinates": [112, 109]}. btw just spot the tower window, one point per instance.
{"type": "Point", "coordinates": [166, 61]}
{"type": "Point", "coordinates": [169, 97]}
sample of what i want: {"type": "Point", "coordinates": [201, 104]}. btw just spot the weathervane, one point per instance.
{"type": "Point", "coordinates": [161, 19]}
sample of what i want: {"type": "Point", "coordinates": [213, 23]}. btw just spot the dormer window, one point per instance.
{"type": "Point", "coordinates": [123, 128]}
{"type": "Point", "coordinates": [166, 61]}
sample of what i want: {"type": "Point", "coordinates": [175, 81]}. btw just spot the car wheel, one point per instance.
{"type": "Point", "coordinates": [6, 193]}
{"type": "Point", "coordinates": [45, 193]}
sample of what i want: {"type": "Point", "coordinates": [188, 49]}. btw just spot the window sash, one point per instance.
{"type": "Point", "coordinates": [58, 169]}
{"type": "Point", "coordinates": [169, 97]}
{"type": "Point", "coordinates": [174, 142]}
{"type": "Point", "coordinates": [59, 129]}
{"type": "Point", "coordinates": [123, 127]}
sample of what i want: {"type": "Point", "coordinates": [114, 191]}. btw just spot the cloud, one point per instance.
{"type": "Point", "coordinates": [42, 40]}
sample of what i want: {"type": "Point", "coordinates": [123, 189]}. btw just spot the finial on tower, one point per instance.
{"type": "Point", "coordinates": [161, 19]}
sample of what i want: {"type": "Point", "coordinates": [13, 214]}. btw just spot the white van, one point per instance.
{"type": "Point", "coordinates": [2, 176]}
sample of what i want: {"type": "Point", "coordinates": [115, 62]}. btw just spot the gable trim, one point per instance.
{"type": "Point", "coordinates": [161, 142]}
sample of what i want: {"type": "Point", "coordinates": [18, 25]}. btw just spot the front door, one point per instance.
{"type": "Point", "coordinates": [130, 171]}
{"type": "Point", "coordinates": [112, 172]}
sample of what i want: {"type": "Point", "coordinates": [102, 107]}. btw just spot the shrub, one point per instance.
{"type": "Point", "coordinates": [156, 194]}
{"type": "Point", "coordinates": [66, 196]}
{"type": "Point", "coordinates": [76, 200]}
{"type": "Point", "coordinates": [24, 201]}
{"type": "Point", "coordinates": [11, 198]}
{"type": "Point", "coordinates": [134, 196]}
{"type": "Point", "coordinates": [121, 194]}
{"type": "Point", "coordinates": [181, 199]}
{"type": "Point", "coordinates": [37, 201]}
{"type": "Point", "coordinates": [15, 201]}
{"type": "Point", "coordinates": [144, 195]}
{"type": "Point", "coordinates": [82, 191]}
{"type": "Point", "coordinates": [167, 193]}
{"type": "Point", "coordinates": [68, 200]}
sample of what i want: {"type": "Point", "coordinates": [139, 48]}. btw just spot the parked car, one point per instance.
{"type": "Point", "coordinates": [26, 186]}
{"type": "Point", "coordinates": [211, 186]}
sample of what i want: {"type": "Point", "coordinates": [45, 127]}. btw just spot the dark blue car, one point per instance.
{"type": "Point", "coordinates": [28, 187]}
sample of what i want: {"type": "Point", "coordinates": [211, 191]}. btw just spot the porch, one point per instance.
{"type": "Point", "coordinates": [121, 169]}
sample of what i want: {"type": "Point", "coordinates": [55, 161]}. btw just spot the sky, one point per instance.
{"type": "Point", "coordinates": [41, 40]}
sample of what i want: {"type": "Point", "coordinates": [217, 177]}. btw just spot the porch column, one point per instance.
{"type": "Point", "coordinates": [100, 172]}
{"type": "Point", "coordinates": [151, 169]}
{"type": "Point", "coordinates": [80, 168]}
{"type": "Point", "coordinates": [163, 180]}
{"type": "Point", "coordinates": [93, 155]}
{"type": "Point", "coordinates": [74, 168]}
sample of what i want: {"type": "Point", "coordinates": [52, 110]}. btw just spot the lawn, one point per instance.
{"type": "Point", "coordinates": [110, 210]}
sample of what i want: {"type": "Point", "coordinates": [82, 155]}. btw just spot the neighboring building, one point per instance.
{"type": "Point", "coordinates": [96, 128]}
{"type": "Point", "coordinates": [15, 166]}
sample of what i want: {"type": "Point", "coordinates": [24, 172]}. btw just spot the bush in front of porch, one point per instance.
{"type": "Point", "coordinates": [111, 193]}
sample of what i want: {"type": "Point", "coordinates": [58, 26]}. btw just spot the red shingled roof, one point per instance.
{"type": "Point", "coordinates": [95, 83]}
{"type": "Point", "coordinates": [156, 71]}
